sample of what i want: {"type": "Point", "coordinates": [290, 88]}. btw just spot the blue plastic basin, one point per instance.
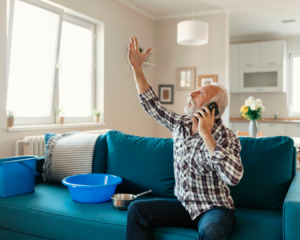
{"type": "Point", "coordinates": [93, 187]}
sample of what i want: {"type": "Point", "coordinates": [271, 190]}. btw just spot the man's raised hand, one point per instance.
{"type": "Point", "coordinates": [135, 57]}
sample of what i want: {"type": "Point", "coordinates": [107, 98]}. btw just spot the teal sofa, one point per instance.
{"type": "Point", "coordinates": [267, 198]}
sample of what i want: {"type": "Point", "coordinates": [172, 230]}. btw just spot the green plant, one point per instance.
{"type": "Point", "coordinates": [141, 49]}
{"type": "Point", "coordinates": [10, 114]}
{"type": "Point", "coordinates": [96, 112]}
{"type": "Point", "coordinates": [61, 113]}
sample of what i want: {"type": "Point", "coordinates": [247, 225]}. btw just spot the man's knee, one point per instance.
{"type": "Point", "coordinates": [211, 231]}
{"type": "Point", "coordinates": [134, 207]}
{"type": "Point", "coordinates": [137, 208]}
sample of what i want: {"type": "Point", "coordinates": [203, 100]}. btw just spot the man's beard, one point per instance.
{"type": "Point", "coordinates": [192, 109]}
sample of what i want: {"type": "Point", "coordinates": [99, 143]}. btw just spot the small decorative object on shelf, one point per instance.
{"type": "Point", "coordinates": [147, 58]}
{"type": "Point", "coordinates": [96, 115]}
{"type": "Point", "coordinates": [252, 110]}
{"type": "Point", "coordinates": [10, 118]}
{"type": "Point", "coordinates": [60, 117]}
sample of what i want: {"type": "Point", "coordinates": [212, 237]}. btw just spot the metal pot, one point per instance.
{"type": "Point", "coordinates": [121, 201]}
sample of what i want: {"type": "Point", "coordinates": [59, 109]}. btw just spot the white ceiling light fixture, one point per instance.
{"type": "Point", "coordinates": [192, 32]}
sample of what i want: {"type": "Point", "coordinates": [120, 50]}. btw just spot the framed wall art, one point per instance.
{"type": "Point", "coordinates": [204, 80]}
{"type": "Point", "coordinates": [185, 78]}
{"type": "Point", "coordinates": [166, 94]}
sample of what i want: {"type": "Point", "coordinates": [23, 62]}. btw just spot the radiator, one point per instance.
{"type": "Point", "coordinates": [35, 145]}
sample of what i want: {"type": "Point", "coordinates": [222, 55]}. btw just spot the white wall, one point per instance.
{"type": "Point", "coordinates": [208, 59]}
{"type": "Point", "coordinates": [122, 109]}
{"type": "Point", "coordinates": [273, 102]}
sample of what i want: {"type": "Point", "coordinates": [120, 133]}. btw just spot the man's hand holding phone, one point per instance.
{"type": "Point", "coordinates": [206, 121]}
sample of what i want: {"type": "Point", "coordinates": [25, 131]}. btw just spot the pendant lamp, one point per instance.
{"type": "Point", "coordinates": [192, 33]}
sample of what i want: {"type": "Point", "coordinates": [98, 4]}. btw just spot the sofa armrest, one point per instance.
{"type": "Point", "coordinates": [39, 167]}
{"type": "Point", "coordinates": [291, 211]}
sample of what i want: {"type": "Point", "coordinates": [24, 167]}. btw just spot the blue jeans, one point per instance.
{"type": "Point", "coordinates": [145, 215]}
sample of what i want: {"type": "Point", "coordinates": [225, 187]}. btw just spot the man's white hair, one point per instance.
{"type": "Point", "coordinates": [222, 98]}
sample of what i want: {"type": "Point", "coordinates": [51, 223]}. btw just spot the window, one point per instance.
{"type": "Point", "coordinates": [51, 64]}
{"type": "Point", "coordinates": [295, 83]}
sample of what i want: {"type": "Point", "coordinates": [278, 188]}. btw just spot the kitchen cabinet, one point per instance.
{"type": "Point", "coordinates": [273, 129]}
{"type": "Point", "coordinates": [231, 126]}
{"type": "Point", "coordinates": [268, 79]}
{"type": "Point", "coordinates": [249, 55]}
{"type": "Point", "coordinates": [240, 126]}
{"type": "Point", "coordinates": [272, 53]}
{"type": "Point", "coordinates": [269, 129]}
{"type": "Point", "coordinates": [234, 68]}
{"type": "Point", "coordinates": [293, 130]}
{"type": "Point", "coordinates": [261, 67]}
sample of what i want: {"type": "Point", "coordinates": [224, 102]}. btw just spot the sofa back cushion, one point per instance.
{"type": "Point", "coordinates": [142, 162]}
{"type": "Point", "coordinates": [100, 155]}
{"type": "Point", "coordinates": [269, 167]}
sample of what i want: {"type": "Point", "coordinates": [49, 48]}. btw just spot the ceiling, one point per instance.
{"type": "Point", "coordinates": [249, 19]}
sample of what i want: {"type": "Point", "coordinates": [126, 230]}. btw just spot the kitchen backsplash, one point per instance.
{"type": "Point", "coordinates": [273, 102]}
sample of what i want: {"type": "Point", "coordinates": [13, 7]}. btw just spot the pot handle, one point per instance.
{"type": "Point", "coordinates": [143, 193]}
{"type": "Point", "coordinates": [36, 173]}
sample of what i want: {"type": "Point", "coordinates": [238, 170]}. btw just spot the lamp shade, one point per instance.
{"type": "Point", "coordinates": [192, 33]}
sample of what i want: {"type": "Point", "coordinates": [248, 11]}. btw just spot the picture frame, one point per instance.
{"type": "Point", "coordinates": [204, 80]}
{"type": "Point", "coordinates": [186, 78]}
{"type": "Point", "coordinates": [166, 94]}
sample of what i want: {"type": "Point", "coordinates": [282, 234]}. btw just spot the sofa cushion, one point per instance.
{"type": "Point", "coordinates": [100, 153]}
{"type": "Point", "coordinates": [142, 162]}
{"type": "Point", "coordinates": [269, 167]}
{"type": "Point", "coordinates": [11, 235]}
{"type": "Point", "coordinates": [50, 213]}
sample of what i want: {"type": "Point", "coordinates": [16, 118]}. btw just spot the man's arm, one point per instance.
{"type": "Point", "coordinates": [147, 96]}
{"type": "Point", "coordinates": [227, 162]}
{"type": "Point", "coordinates": [225, 155]}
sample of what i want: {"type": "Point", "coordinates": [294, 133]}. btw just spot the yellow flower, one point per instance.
{"type": "Point", "coordinates": [243, 114]}
{"type": "Point", "coordinates": [244, 109]}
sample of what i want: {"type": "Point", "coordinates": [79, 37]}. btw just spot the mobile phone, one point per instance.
{"type": "Point", "coordinates": [211, 106]}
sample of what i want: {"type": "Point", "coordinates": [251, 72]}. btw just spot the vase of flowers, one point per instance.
{"type": "Point", "coordinates": [96, 115]}
{"type": "Point", "coordinates": [10, 118]}
{"type": "Point", "coordinates": [60, 116]}
{"type": "Point", "coordinates": [252, 110]}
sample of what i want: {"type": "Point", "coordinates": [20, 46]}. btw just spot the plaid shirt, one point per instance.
{"type": "Point", "coordinates": [200, 179]}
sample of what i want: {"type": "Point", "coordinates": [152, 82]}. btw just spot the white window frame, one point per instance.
{"type": "Point", "coordinates": [292, 55]}
{"type": "Point", "coordinates": [55, 97]}
{"type": "Point", "coordinates": [91, 26]}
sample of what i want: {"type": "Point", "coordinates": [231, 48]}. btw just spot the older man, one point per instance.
{"type": "Point", "coordinates": [206, 160]}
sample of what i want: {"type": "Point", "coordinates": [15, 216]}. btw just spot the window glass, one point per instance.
{"type": "Point", "coordinates": [32, 61]}
{"type": "Point", "coordinates": [75, 78]}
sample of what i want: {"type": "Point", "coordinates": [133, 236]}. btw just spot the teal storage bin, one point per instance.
{"type": "Point", "coordinates": [17, 175]}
